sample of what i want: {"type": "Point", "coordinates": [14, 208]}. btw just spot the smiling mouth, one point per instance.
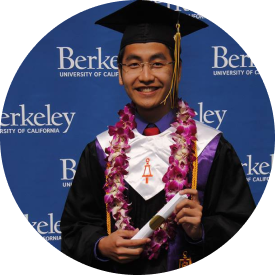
{"type": "Point", "coordinates": [147, 89]}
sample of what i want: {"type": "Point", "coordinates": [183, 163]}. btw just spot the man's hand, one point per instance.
{"type": "Point", "coordinates": [189, 213]}
{"type": "Point", "coordinates": [118, 246]}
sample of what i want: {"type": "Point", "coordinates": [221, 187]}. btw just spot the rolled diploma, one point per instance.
{"type": "Point", "coordinates": [159, 218]}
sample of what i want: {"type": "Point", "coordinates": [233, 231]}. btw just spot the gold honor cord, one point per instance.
{"type": "Point", "coordinates": [108, 216]}
{"type": "Point", "coordinates": [195, 168]}
{"type": "Point", "coordinates": [108, 221]}
{"type": "Point", "coordinates": [157, 220]}
{"type": "Point", "coordinates": [173, 92]}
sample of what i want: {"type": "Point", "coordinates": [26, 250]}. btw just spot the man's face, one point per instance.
{"type": "Point", "coordinates": [148, 88]}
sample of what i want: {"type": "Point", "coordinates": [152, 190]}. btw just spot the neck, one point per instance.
{"type": "Point", "coordinates": [153, 115]}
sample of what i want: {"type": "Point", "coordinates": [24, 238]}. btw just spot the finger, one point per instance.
{"type": "Point", "coordinates": [123, 255]}
{"type": "Point", "coordinates": [132, 243]}
{"type": "Point", "coordinates": [193, 192]}
{"type": "Point", "coordinates": [188, 212]}
{"type": "Point", "coordinates": [194, 221]}
{"type": "Point", "coordinates": [127, 233]}
{"type": "Point", "coordinates": [130, 252]}
{"type": "Point", "coordinates": [187, 204]}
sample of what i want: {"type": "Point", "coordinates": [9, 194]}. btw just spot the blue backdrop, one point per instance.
{"type": "Point", "coordinates": [66, 92]}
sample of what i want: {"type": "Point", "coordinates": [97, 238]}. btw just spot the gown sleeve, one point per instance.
{"type": "Point", "coordinates": [83, 220]}
{"type": "Point", "coordinates": [228, 200]}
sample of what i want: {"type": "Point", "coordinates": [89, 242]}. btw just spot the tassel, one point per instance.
{"type": "Point", "coordinates": [108, 221]}
{"type": "Point", "coordinates": [173, 92]}
{"type": "Point", "coordinates": [108, 215]}
{"type": "Point", "coordinates": [195, 168]}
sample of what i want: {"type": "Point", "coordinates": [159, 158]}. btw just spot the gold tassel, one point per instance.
{"type": "Point", "coordinates": [173, 92]}
{"type": "Point", "coordinates": [108, 215]}
{"type": "Point", "coordinates": [108, 221]}
{"type": "Point", "coordinates": [195, 168]}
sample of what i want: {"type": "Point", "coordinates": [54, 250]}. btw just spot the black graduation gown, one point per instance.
{"type": "Point", "coordinates": [228, 203]}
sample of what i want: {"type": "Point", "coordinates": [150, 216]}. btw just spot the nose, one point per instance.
{"type": "Point", "coordinates": [146, 74]}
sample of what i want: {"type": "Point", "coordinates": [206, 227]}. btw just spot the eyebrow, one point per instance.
{"type": "Point", "coordinates": [155, 56]}
{"type": "Point", "coordinates": [133, 56]}
{"type": "Point", "coordinates": [158, 56]}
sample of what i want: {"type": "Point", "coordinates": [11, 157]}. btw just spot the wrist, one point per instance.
{"type": "Point", "coordinates": [101, 247]}
{"type": "Point", "coordinates": [198, 235]}
{"type": "Point", "coordinates": [195, 235]}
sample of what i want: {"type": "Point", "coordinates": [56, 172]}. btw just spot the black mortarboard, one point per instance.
{"type": "Point", "coordinates": [146, 21]}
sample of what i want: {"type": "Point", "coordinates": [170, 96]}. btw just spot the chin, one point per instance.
{"type": "Point", "coordinates": [148, 105]}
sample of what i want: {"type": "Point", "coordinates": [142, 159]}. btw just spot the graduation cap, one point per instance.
{"type": "Point", "coordinates": [146, 21]}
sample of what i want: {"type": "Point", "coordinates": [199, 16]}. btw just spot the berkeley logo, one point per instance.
{"type": "Point", "coordinates": [91, 62]}
{"type": "Point", "coordinates": [68, 171]}
{"type": "Point", "coordinates": [209, 116]}
{"type": "Point", "coordinates": [84, 64]}
{"type": "Point", "coordinates": [221, 60]}
{"type": "Point", "coordinates": [236, 64]}
{"type": "Point", "coordinates": [47, 227]}
{"type": "Point", "coordinates": [68, 165]}
{"type": "Point", "coordinates": [257, 171]}
{"type": "Point", "coordinates": [178, 8]}
{"type": "Point", "coordinates": [40, 119]}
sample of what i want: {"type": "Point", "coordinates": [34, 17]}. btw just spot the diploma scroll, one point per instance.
{"type": "Point", "coordinates": [160, 217]}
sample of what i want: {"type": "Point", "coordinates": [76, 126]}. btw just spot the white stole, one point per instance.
{"type": "Point", "coordinates": [157, 150]}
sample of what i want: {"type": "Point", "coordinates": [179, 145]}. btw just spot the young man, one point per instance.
{"type": "Point", "coordinates": [153, 152]}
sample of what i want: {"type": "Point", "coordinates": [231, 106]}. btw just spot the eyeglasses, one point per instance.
{"type": "Point", "coordinates": [137, 67]}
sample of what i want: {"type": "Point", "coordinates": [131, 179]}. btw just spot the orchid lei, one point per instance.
{"type": "Point", "coordinates": [175, 179]}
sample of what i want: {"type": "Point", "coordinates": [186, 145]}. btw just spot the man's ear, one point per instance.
{"type": "Point", "coordinates": [120, 79]}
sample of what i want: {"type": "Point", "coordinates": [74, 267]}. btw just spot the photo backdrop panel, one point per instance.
{"type": "Point", "coordinates": [66, 92]}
